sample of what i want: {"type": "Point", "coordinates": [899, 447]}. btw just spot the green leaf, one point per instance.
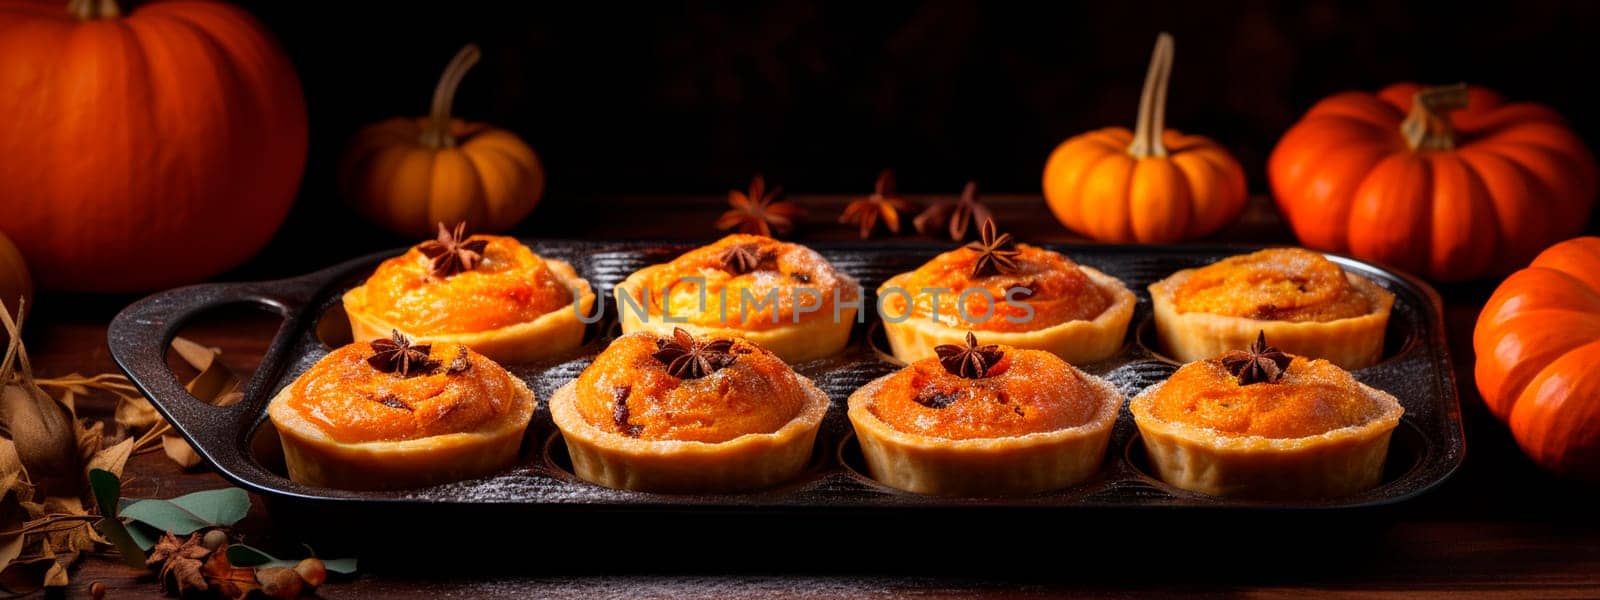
{"type": "Point", "coordinates": [192, 512]}
{"type": "Point", "coordinates": [107, 489]}
{"type": "Point", "coordinates": [241, 555]}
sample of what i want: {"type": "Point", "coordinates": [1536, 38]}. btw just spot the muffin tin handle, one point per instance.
{"type": "Point", "coordinates": [140, 335]}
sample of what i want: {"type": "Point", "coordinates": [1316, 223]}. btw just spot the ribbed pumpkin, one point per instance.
{"type": "Point", "coordinates": [1538, 348]}
{"type": "Point", "coordinates": [1149, 185]}
{"type": "Point", "coordinates": [143, 150]}
{"type": "Point", "coordinates": [408, 175]}
{"type": "Point", "coordinates": [1450, 182]}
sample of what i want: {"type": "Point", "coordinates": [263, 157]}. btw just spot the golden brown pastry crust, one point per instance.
{"type": "Point", "coordinates": [1351, 343]}
{"type": "Point", "coordinates": [316, 458]}
{"type": "Point", "coordinates": [996, 466]}
{"type": "Point", "coordinates": [1336, 463]}
{"type": "Point", "coordinates": [734, 454]}
{"type": "Point", "coordinates": [747, 462]}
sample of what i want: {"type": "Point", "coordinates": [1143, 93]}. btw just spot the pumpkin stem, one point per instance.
{"type": "Point", "coordinates": [1427, 127]}
{"type": "Point", "coordinates": [1153, 102]}
{"type": "Point", "coordinates": [91, 10]}
{"type": "Point", "coordinates": [437, 133]}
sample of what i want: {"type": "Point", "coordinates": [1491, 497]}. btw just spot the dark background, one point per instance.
{"type": "Point", "coordinates": [694, 98]}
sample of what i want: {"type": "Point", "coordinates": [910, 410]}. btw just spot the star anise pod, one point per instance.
{"type": "Point", "coordinates": [180, 563]}
{"type": "Point", "coordinates": [1258, 363]}
{"type": "Point", "coordinates": [689, 358]}
{"type": "Point", "coordinates": [885, 204]}
{"type": "Point", "coordinates": [758, 211]}
{"type": "Point", "coordinates": [970, 361]}
{"type": "Point", "coordinates": [997, 253]}
{"type": "Point", "coordinates": [744, 258]}
{"type": "Point", "coordinates": [954, 216]}
{"type": "Point", "coordinates": [452, 252]}
{"type": "Point", "coordinates": [397, 354]}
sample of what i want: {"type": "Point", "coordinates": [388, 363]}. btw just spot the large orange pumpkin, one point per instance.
{"type": "Point", "coordinates": [410, 174]}
{"type": "Point", "coordinates": [1538, 348]}
{"type": "Point", "coordinates": [1451, 182]}
{"type": "Point", "coordinates": [1149, 185]}
{"type": "Point", "coordinates": [143, 150]}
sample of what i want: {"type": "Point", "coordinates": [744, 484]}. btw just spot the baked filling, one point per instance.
{"type": "Point", "coordinates": [1312, 397]}
{"type": "Point", "coordinates": [450, 391]}
{"type": "Point", "coordinates": [1052, 287]}
{"type": "Point", "coordinates": [1280, 284]}
{"type": "Point", "coordinates": [510, 285]}
{"type": "Point", "coordinates": [630, 391]}
{"type": "Point", "coordinates": [742, 281]}
{"type": "Point", "coordinates": [1025, 391]}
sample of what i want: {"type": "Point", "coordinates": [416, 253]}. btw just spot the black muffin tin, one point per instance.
{"type": "Point", "coordinates": [239, 441]}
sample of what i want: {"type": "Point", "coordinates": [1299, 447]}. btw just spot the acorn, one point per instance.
{"type": "Point", "coordinates": [312, 571]}
{"type": "Point", "coordinates": [282, 583]}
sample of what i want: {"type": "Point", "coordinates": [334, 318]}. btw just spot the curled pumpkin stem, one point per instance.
{"type": "Point", "coordinates": [1427, 126]}
{"type": "Point", "coordinates": [94, 10]}
{"type": "Point", "coordinates": [437, 133]}
{"type": "Point", "coordinates": [1153, 102]}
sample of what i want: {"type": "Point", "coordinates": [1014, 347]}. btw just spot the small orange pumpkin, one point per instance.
{"type": "Point", "coordinates": [408, 175]}
{"type": "Point", "coordinates": [1150, 185]}
{"type": "Point", "coordinates": [1392, 177]}
{"type": "Point", "coordinates": [1538, 348]}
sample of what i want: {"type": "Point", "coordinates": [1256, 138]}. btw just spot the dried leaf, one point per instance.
{"type": "Point", "coordinates": [57, 575]}
{"type": "Point", "coordinates": [197, 355]}
{"type": "Point", "coordinates": [179, 451]}
{"type": "Point", "coordinates": [72, 536]}
{"type": "Point", "coordinates": [10, 546]}
{"type": "Point", "coordinates": [14, 480]}
{"type": "Point", "coordinates": [91, 438]}
{"type": "Point", "coordinates": [114, 458]}
{"type": "Point", "coordinates": [136, 413]}
{"type": "Point", "coordinates": [213, 383]}
{"type": "Point", "coordinates": [230, 581]}
{"type": "Point", "coordinates": [24, 577]}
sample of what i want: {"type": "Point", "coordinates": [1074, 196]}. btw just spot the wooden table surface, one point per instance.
{"type": "Point", "coordinates": [1497, 528]}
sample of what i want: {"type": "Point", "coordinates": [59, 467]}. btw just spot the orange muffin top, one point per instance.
{"type": "Point", "coordinates": [361, 392]}
{"type": "Point", "coordinates": [1279, 284]}
{"type": "Point", "coordinates": [429, 291]}
{"type": "Point", "coordinates": [1017, 392]}
{"type": "Point", "coordinates": [751, 282]}
{"type": "Point", "coordinates": [1265, 393]}
{"type": "Point", "coordinates": [997, 284]}
{"type": "Point", "coordinates": [687, 389]}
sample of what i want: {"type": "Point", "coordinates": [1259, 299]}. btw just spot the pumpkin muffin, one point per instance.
{"type": "Point", "coordinates": [984, 420]}
{"type": "Point", "coordinates": [1016, 295]}
{"type": "Point", "coordinates": [489, 292]}
{"type": "Point", "coordinates": [1307, 304]}
{"type": "Point", "coordinates": [394, 414]}
{"type": "Point", "coordinates": [783, 297]}
{"type": "Point", "coordinates": [1264, 424]}
{"type": "Point", "coordinates": [686, 414]}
